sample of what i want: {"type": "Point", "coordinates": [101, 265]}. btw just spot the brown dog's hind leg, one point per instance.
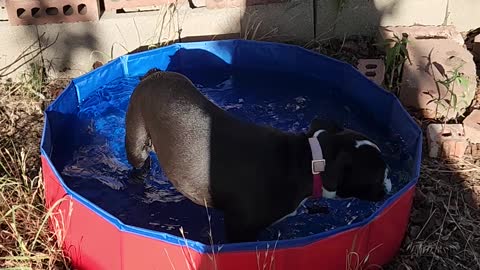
{"type": "Point", "coordinates": [136, 137]}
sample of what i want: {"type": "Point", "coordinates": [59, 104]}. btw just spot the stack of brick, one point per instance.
{"type": "Point", "coordinates": [3, 11]}
{"type": "Point", "coordinates": [214, 4]}
{"type": "Point", "coordinates": [112, 5]}
{"type": "Point", "coordinates": [446, 141]}
{"type": "Point", "coordinates": [476, 48]}
{"type": "Point", "coordinates": [36, 12]}
{"type": "Point", "coordinates": [472, 132]}
{"type": "Point", "coordinates": [374, 69]}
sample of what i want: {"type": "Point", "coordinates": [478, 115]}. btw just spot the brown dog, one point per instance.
{"type": "Point", "coordinates": [255, 174]}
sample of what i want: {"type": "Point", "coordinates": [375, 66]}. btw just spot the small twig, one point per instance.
{"type": "Point", "coordinates": [39, 51]}
{"type": "Point", "coordinates": [343, 43]}
{"type": "Point", "coordinates": [169, 259]}
{"type": "Point", "coordinates": [23, 54]}
{"type": "Point", "coordinates": [441, 231]}
{"type": "Point", "coordinates": [452, 171]}
{"type": "Point", "coordinates": [426, 223]}
{"type": "Point", "coordinates": [462, 232]}
{"type": "Point", "coordinates": [210, 234]}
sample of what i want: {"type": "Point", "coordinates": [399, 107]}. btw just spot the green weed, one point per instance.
{"type": "Point", "coordinates": [395, 59]}
{"type": "Point", "coordinates": [450, 101]}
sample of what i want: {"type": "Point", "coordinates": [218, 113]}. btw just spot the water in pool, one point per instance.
{"type": "Point", "coordinates": [97, 168]}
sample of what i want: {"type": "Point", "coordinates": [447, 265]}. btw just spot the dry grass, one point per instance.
{"type": "Point", "coordinates": [354, 261]}
{"type": "Point", "coordinates": [444, 231]}
{"type": "Point", "coordinates": [25, 241]}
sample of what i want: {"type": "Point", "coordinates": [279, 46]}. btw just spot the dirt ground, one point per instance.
{"type": "Point", "coordinates": [444, 229]}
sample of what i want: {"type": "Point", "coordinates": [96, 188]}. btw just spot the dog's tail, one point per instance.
{"type": "Point", "coordinates": [137, 139]}
{"type": "Point", "coordinates": [150, 72]}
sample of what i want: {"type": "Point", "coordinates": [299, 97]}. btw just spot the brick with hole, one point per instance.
{"type": "Point", "coordinates": [214, 4]}
{"type": "Point", "coordinates": [374, 69]}
{"type": "Point", "coordinates": [37, 12]}
{"type": "Point", "coordinates": [472, 131]}
{"type": "Point", "coordinates": [472, 126]}
{"type": "Point", "coordinates": [473, 149]}
{"type": "Point", "coordinates": [476, 48]}
{"type": "Point", "coordinates": [112, 5]}
{"type": "Point", "coordinates": [3, 11]}
{"type": "Point", "coordinates": [446, 140]}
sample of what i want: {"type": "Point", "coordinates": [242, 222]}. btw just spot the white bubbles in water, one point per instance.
{"type": "Point", "coordinates": [92, 162]}
{"type": "Point", "coordinates": [388, 185]}
{"type": "Point", "coordinates": [300, 100]}
{"type": "Point", "coordinates": [152, 195]}
{"type": "Point", "coordinates": [352, 220]}
{"type": "Point", "coordinates": [232, 106]}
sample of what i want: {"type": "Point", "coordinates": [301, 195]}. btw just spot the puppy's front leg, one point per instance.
{"type": "Point", "coordinates": [138, 175]}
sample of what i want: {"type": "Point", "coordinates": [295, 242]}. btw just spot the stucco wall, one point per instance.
{"type": "Point", "coordinates": [80, 44]}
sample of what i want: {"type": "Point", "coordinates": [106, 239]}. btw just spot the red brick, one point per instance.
{"type": "Point", "coordinates": [213, 4]}
{"type": "Point", "coordinates": [3, 11]}
{"type": "Point", "coordinates": [446, 140]}
{"type": "Point", "coordinates": [129, 4]}
{"type": "Point", "coordinates": [476, 47]}
{"type": "Point", "coordinates": [25, 12]}
{"type": "Point", "coordinates": [472, 126]}
{"type": "Point", "coordinates": [374, 69]}
{"type": "Point", "coordinates": [474, 150]}
{"type": "Point", "coordinates": [422, 32]}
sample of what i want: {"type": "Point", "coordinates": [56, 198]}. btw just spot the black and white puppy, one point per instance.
{"type": "Point", "coordinates": [254, 174]}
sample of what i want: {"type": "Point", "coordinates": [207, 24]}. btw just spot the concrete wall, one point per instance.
{"type": "Point", "coordinates": [76, 46]}
{"type": "Point", "coordinates": [301, 21]}
{"type": "Point", "coordinates": [364, 16]}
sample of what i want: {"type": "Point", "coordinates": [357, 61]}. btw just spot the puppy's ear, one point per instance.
{"type": "Point", "coordinates": [335, 173]}
{"type": "Point", "coordinates": [327, 125]}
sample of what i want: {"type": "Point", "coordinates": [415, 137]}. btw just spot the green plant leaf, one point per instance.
{"type": "Point", "coordinates": [399, 69]}
{"type": "Point", "coordinates": [397, 48]}
{"type": "Point", "coordinates": [389, 59]}
{"type": "Point", "coordinates": [463, 82]}
{"type": "Point", "coordinates": [454, 101]}
{"type": "Point", "coordinates": [404, 50]}
{"type": "Point", "coordinates": [445, 83]}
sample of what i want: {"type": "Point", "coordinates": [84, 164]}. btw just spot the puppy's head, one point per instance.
{"type": "Point", "coordinates": [354, 167]}
{"type": "Point", "coordinates": [364, 173]}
